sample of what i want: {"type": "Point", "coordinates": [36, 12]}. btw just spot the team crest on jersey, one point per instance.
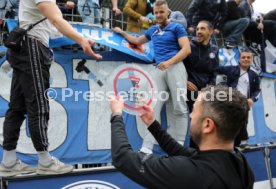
{"type": "Point", "coordinates": [212, 55]}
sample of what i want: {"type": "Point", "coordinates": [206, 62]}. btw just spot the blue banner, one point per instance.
{"type": "Point", "coordinates": [102, 36]}
{"type": "Point", "coordinates": [79, 128]}
{"type": "Point", "coordinates": [98, 179]}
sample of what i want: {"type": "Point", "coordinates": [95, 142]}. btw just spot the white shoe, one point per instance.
{"type": "Point", "coordinates": [54, 168]}
{"type": "Point", "coordinates": [17, 169]}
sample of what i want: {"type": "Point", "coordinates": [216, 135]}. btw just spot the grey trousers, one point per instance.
{"type": "Point", "coordinates": [172, 81]}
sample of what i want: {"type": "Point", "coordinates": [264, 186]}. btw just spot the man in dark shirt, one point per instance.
{"type": "Point", "coordinates": [271, 15]}
{"type": "Point", "coordinates": [214, 125]}
{"type": "Point", "coordinates": [202, 63]}
{"type": "Point", "coordinates": [212, 10]}
{"type": "Point", "coordinates": [258, 28]}
{"type": "Point", "coordinates": [234, 25]}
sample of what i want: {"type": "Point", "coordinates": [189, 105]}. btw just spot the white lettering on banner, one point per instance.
{"type": "Point", "coordinates": [98, 131]}
{"type": "Point", "coordinates": [269, 102]}
{"type": "Point", "coordinates": [85, 31]}
{"type": "Point", "coordinates": [95, 35]}
{"type": "Point", "coordinates": [270, 56]}
{"type": "Point", "coordinates": [98, 128]}
{"type": "Point", "coordinates": [99, 136]}
{"type": "Point", "coordinates": [106, 35]}
{"type": "Point", "coordinates": [250, 125]}
{"type": "Point", "coordinates": [57, 129]}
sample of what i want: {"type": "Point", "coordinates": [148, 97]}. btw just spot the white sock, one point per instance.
{"type": "Point", "coordinates": [9, 158]}
{"type": "Point", "coordinates": [244, 142]}
{"type": "Point", "coordinates": [146, 150]}
{"type": "Point", "coordinates": [181, 142]}
{"type": "Point", "coordinates": [44, 157]}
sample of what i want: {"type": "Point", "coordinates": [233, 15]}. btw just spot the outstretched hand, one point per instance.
{"type": "Point", "coordinates": [86, 46]}
{"type": "Point", "coordinates": [117, 30]}
{"type": "Point", "coordinates": [116, 104]}
{"type": "Point", "coordinates": [147, 116]}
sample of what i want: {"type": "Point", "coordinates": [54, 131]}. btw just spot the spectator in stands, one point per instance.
{"type": "Point", "coordinates": [271, 15]}
{"type": "Point", "coordinates": [171, 46]}
{"type": "Point", "coordinates": [178, 17]}
{"type": "Point", "coordinates": [202, 63]}
{"type": "Point", "coordinates": [137, 11]}
{"type": "Point", "coordinates": [215, 165]}
{"type": "Point", "coordinates": [214, 11]}
{"type": "Point", "coordinates": [69, 9]}
{"type": "Point", "coordinates": [31, 71]}
{"type": "Point", "coordinates": [257, 26]}
{"type": "Point", "coordinates": [115, 8]}
{"type": "Point", "coordinates": [9, 9]}
{"type": "Point", "coordinates": [65, 6]}
{"type": "Point", "coordinates": [90, 11]}
{"type": "Point", "coordinates": [234, 25]}
{"type": "Point", "coordinates": [244, 80]}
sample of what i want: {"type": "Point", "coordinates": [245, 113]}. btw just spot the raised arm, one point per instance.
{"type": "Point", "coordinates": [52, 12]}
{"type": "Point", "coordinates": [140, 167]}
{"type": "Point", "coordinates": [129, 9]}
{"type": "Point", "coordinates": [147, 170]}
{"type": "Point", "coordinates": [115, 8]}
{"type": "Point", "coordinates": [130, 38]}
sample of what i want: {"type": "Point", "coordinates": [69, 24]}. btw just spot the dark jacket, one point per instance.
{"type": "Point", "coordinates": [245, 9]}
{"type": "Point", "coordinates": [212, 10]}
{"type": "Point", "coordinates": [233, 75]}
{"type": "Point", "coordinates": [233, 12]}
{"type": "Point", "coordinates": [183, 168]}
{"type": "Point", "coordinates": [271, 15]}
{"type": "Point", "coordinates": [201, 64]}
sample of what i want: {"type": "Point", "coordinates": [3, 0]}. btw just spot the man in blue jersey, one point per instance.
{"type": "Point", "coordinates": [171, 46]}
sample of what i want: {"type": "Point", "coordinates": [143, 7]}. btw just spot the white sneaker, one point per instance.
{"type": "Point", "coordinates": [54, 168]}
{"type": "Point", "coordinates": [17, 169]}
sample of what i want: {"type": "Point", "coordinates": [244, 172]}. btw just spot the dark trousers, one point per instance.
{"type": "Point", "coordinates": [253, 34]}
{"type": "Point", "coordinates": [191, 97]}
{"type": "Point", "coordinates": [243, 135]}
{"type": "Point", "coordinates": [29, 82]}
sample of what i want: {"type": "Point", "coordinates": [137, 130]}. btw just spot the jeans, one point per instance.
{"type": "Point", "coordinates": [89, 11]}
{"type": "Point", "coordinates": [233, 29]}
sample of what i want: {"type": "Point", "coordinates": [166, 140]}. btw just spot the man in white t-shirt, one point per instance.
{"type": "Point", "coordinates": [246, 81]}
{"type": "Point", "coordinates": [31, 65]}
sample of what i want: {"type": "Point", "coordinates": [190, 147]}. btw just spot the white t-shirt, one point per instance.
{"type": "Point", "coordinates": [30, 14]}
{"type": "Point", "coordinates": [243, 83]}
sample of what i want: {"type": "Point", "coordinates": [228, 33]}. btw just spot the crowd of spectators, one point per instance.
{"type": "Point", "coordinates": [231, 19]}
{"type": "Point", "coordinates": [192, 64]}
